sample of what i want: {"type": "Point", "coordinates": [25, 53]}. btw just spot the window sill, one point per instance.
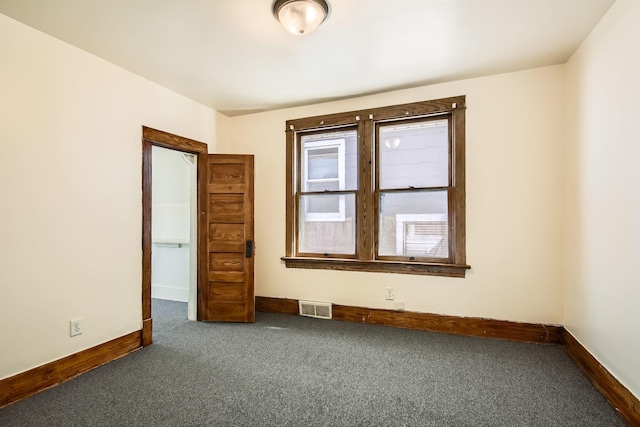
{"type": "Point", "coordinates": [425, 269]}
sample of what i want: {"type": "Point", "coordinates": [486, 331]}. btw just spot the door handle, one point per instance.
{"type": "Point", "coordinates": [248, 249]}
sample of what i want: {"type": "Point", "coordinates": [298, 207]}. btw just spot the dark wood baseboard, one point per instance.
{"type": "Point", "coordinates": [277, 305]}
{"type": "Point", "coordinates": [471, 326]}
{"type": "Point", "coordinates": [622, 400]}
{"type": "Point", "coordinates": [41, 378]}
{"type": "Point", "coordinates": [147, 332]}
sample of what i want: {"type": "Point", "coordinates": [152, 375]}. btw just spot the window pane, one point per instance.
{"type": "Point", "coordinates": [327, 224]}
{"type": "Point", "coordinates": [323, 204]}
{"type": "Point", "coordinates": [329, 157]}
{"type": "Point", "coordinates": [323, 163]}
{"type": "Point", "coordinates": [414, 224]}
{"type": "Point", "coordinates": [414, 155]}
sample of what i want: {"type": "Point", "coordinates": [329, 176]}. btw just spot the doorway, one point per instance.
{"type": "Point", "coordinates": [174, 234]}
{"type": "Point", "coordinates": [225, 224]}
{"type": "Point", "coordinates": [198, 154]}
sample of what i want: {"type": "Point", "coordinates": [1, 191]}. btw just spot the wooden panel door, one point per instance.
{"type": "Point", "coordinates": [227, 293]}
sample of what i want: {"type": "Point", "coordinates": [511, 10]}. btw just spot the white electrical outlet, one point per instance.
{"type": "Point", "coordinates": [389, 294]}
{"type": "Point", "coordinates": [75, 326]}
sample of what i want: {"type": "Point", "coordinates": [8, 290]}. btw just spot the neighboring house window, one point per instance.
{"type": "Point", "coordinates": [323, 170]}
{"type": "Point", "coordinates": [379, 190]}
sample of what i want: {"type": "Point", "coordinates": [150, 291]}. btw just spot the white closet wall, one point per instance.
{"type": "Point", "coordinates": [171, 172]}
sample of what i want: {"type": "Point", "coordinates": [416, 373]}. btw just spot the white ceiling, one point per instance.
{"type": "Point", "coordinates": [234, 56]}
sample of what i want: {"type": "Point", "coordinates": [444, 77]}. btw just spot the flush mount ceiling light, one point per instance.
{"type": "Point", "coordinates": [301, 16]}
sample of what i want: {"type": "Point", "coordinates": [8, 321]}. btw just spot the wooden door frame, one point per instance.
{"type": "Point", "coordinates": [153, 137]}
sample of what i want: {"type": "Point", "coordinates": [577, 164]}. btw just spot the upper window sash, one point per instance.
{"type": "Point", "coordinates": [413, 153]}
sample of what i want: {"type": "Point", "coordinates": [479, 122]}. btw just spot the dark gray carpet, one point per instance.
{"type": "Point", "coordinates": [293, 371]}
{"type": "Point", "coordinates": [167, 315]}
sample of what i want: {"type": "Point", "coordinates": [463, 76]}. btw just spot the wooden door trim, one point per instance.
{"type": "Point", "coordinates": [151, 137]}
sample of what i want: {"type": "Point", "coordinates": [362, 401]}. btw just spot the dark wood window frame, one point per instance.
{"type": "Point", "coordinates": [367, 122]}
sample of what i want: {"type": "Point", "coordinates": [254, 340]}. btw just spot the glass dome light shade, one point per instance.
{"type": "Point", "coordinates": [300, 16]}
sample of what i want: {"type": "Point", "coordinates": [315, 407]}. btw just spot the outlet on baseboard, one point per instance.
{"type": "Point", "coordinates": [75, 326]}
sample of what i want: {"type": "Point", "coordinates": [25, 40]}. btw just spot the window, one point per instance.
{"type": "Point", "coordinates": [323, 170]}
{"type": "Point", "coordinates": [327, 194]}
{"type": "Point", "coordinates": [379, 190]}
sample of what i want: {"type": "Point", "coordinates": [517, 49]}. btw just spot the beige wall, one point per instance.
{"type": "Point", "coordinates": [514, 204]}
{"type": "Point", "coordinates": [70, 193]}
{"type": "Point", "coordinates": [602, 215]}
